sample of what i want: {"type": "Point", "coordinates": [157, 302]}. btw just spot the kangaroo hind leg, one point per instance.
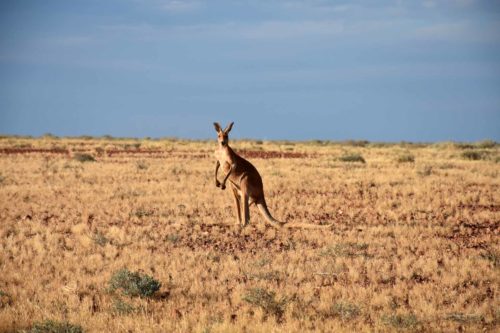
{"type": "Point", "coordinates": [245, 197]}
{"type": "Point", "coordinates": [237, 203]}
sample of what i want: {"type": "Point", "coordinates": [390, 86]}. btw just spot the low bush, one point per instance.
{"type": "Point", "coordinates": [266, 300]}
{"type": "Point", "coordinates": [424, 171]}
{"type": "Point", "coordinates": [83, 157]}
{"type": "Point", "coordinates": [352, 158]}
{"type": "Point", "coordinates": [133, 284]}
{"type": "Point", "coordinates": [406, 158]}
{"type": "Point", "coordinates": [346, 311]}
{"type": "Point", "coordinates": [5, 299]}
{"type": "Point", "coordinates": [51, 326]}
{"type": "Point", "coordinates": [402, 321]}
{"type": "Point", "coordinates": [100, 239]}
{"type": "Point", "coordinates": [475, 155]}
{"type": "Point", "coordinates": [122, 308]}
{"type": "Point", "coordinates": [486, 144]}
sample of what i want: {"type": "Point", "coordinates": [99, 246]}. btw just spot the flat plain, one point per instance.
{"type": "Point", "coordinates": [379, 237]}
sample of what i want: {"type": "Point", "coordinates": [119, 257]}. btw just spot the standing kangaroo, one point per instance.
{"type": "Point", "coordinates": [244, 178]}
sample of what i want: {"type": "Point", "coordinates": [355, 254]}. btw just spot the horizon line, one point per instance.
{"type": "Point", "coordinates": [175, 138]}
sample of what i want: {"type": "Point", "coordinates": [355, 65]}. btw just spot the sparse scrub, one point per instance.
{"type": "Point", "coordinates": [402, 321]}
{"type": "Point", "coordinates": [390, 248]}
{"type": "Point", "coordinates": [100, 239]}
{"type": "Point", "coordinates": [5, 299]}
{"type": "Point", "coordinates": [357, 143]}
{"type": "Point", "coordinates": [486, 144]}
{"type": "Point", "coordinates": [122, 308]}
{"type": "Point", "coordinates": [173, 238]}
{"type": "Point", "coordinates": [406, 158]}
{"type": "Point", "coordinates": [83, 157]}
{"type": "Point", "coordinates": [51, 326]}
{"type": "Point", "coordinates": [140, 213]}
{"type": "Point", "coordinates": [133, 284]}
{"type": "Point", "coordinates": [266, 300]}
{"type": "Point", "coordinates": [99, 151]}
{"type": "Point", "coordinates": [345, 310]}
{"type": "Point", "coordinates": [141, 165]}
{"type": "Point", "coordinates": [352, 158]}
{"type": "Point", "coordinates": [424, 171]}
{"type": "Point", "coordinates": [493, 257]}
{"type": "Point", "coordinates": [464, 318]}
{"type": "Point", "coordinates": [346, 250]}
{"type": "Point", "coordinates": [475, 155]}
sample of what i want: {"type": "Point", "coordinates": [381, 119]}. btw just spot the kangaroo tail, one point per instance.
{"type": "Point", "coordinates": [267, 215]}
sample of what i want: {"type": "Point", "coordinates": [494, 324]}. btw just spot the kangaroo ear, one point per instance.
{"type": "Point", "coordinates": [217, 127]}
{"type": "Point", "coordinates": [228, 128]}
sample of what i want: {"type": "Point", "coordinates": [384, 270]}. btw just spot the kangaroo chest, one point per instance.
{"type": "Point", "coordinates": [224, 159]}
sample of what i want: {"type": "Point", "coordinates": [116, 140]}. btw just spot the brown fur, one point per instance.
{"type": "Point", "coordinates": [244, 178]}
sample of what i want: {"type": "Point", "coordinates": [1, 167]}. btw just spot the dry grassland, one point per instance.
{"type": "Point", "coordinates": [409, 240]}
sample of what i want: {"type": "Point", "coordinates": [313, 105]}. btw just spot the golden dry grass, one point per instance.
{"type": "Point", "coordinates": [405, 245]}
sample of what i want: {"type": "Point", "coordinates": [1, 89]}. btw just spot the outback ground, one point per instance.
{"type": "Point", "coordinates": [403, 237]}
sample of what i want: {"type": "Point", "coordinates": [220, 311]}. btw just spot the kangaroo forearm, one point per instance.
{"type": "Point", "coordinates": [217, 165]}
{"type": "Point", "coordinates": [227, 176]}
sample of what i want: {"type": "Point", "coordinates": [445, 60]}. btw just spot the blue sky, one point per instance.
{"type": "Point", "coordinates": [376, 70]}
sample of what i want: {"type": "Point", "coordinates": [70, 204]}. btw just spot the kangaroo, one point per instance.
{"type": "Point", "coordinates": [244, 178]}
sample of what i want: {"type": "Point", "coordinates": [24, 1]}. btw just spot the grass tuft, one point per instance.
{"type": "Point", "coordinates": [401, 321]}
{"type": "Point", "coordinates": [345, 310]}
{"type": "Point", "coordinates": [464, 318]}
{"type": "Point", "coordinates": [266, 300]}
{"type": "Point", "coordinates": [83, 157]}
{"type": "Point", "coordinates": [352, 158]}
{"type": "Point", "coordinates": [134, 284]}
{"type": "Point", "coordinates": [100, 239]}
{"type": "Point", "coordinates": [406, 158]}
{"type": "Point", "coordinates": [51, 326]}
{"type": "Point", "coordinates": [122, 308]}
{"type": "Point", "coordinates": [349, 250]}
{"type": "Point", "coordinates": [5, 299]}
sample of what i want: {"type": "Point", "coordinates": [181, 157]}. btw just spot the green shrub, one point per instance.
{"type": "Point", "coordinates": [475, 155]}
{"type": "Point", "coordinates": [83, 157]}
{"type": "Point", "coordinates": [493, 257]}
{"type": "Point", "coordinates": [50, 326]}
{"type": "Point", "coordinates": [140, 213]}
{"type": "Point", "coordinates": [173, 238]}
{"type": "Point", "coordinates": [464, 318]}
{"type": "Point", "coordinates": [352, 158]}
{"type": "Point", "coordinates": [345, 310]}
{"type": "Point", "coordinates": [122, 308]}
{"type": "Point", "coordinates": [49, 136]}
{"type": "Point", "coordinates": [406, 158]}
{"type": "Point", "coordinates": [266, 300]}
{"type": "Point", "coordinates": [356, 143]}
{"type": "Point", "coordinates": [486, 144]}
{"type": "Point", "coordinates": [100, 239]}
{"type": "Point", "coordinates": [349, 250]}
{"type": "Point", "coordinates": [134, 283]}
{"type": "Point", "coordinates": [425, 171]}
{"type": "Point", "coordinates": [401, 321]}
{"type": "Point", "coordinates": [5, 299]}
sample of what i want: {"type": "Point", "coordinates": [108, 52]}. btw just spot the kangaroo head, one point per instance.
{"type": "Point", "coordinates": [222, 135]}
